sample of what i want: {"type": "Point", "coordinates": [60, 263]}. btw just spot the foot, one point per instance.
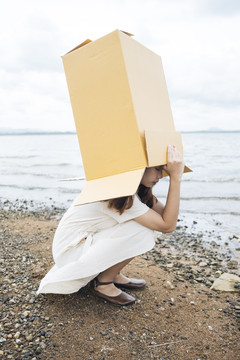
{"type": "Point", "coordinates": [128, 283]}
{"type": "Point", "coordinates": [121, 279]}
{"type": "Point", "coordinates": [104, 286]}
{"type": "Point", "coordinates": [109, 292]}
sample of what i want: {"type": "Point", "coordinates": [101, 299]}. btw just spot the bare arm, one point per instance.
{"type": "Point", "coordinates": [162, 218]}
{"type": "Point", "coordinates": [158, 206]}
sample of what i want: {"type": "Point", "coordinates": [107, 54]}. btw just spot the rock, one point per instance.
{"type": "Point", "coordinates": [232, 264]}
{"type": "Point", "coordinates": [203, 264]}
{"type": "Point", "coordinates": [226, 282]}
{"type": "Point", "coordinates": [42, 345]}
{"type": "Point", "coordinates": [25, 313]}
{"type": "Point", "coordinates": [168, 285]}
{"type": "Point", "coordinates": [17, 335]}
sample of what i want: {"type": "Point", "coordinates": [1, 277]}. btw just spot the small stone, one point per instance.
{"type": "Point", "coordinates": [38, 350]}
{"type": "Point", "coordinates": [26, 313]}
{"type": "Point", "coordinates": [210, 328]}
{"type": "Point", "coordinates": [169, 285]}
{"type": "Point", "coordinates": [91, 338]}
{"type": "Point", "coordinates": [203, 264]}
{"type": "Point", "coordinates": [17, 335]}
{"type": "Point", "coordinates": [42, 345]}
{"type": "Point", "coordinates": [233, 264]}
{"type": "Point", "coordinates": [192, 302]}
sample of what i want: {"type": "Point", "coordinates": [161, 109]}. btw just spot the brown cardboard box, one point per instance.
{"type": "Point", "coordinates": [121, 111]}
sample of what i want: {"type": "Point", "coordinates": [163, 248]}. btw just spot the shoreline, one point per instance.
{"type": "Point", "coordinates": [210, 234]}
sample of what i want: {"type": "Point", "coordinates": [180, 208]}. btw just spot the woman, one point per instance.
{"type": "Point", "coordinates": [94, 242]}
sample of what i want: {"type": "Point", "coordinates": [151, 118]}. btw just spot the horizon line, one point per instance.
{"type": "Point", "coordinates": [47, 132]}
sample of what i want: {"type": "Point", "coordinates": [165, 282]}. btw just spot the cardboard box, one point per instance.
{"type": "Point", "coordinates": [122, 113]}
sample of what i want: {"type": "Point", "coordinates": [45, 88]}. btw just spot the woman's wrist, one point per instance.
{"type": "Point", "coordinates": [176, 179]}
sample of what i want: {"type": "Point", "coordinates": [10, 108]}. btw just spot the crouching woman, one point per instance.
{"type": "Point", "coordinates": [94, 242]}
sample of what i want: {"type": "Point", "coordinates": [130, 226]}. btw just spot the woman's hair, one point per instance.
{"type": "Point", "coordinates": [123, 203]}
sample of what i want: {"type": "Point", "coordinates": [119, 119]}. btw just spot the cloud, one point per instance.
{"type": "Point", "coordinates": [221, 7]}
{"type": "Point", "coordinates": [198, 42]}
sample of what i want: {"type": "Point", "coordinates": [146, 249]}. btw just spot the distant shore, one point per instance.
{"type": "Point", "coordinates": [46, 132]}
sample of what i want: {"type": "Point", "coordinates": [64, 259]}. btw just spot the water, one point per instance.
{"type": "Point", "coordinates": [31, 166]}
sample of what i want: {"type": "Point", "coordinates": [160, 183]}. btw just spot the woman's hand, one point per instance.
{"type": "Point", "coordinates": [175, 163]}
{"type": "Point", "coordinates": [164, 218]}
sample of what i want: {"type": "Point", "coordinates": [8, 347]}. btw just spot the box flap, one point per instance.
{"type": "Point", "coordinates": [87, 41]}
{"type": "Point", "coordinates": [110, 187]}
{"type": "Point", "coordinates": [157, 144]}
{"type": "Point", "coordinates": [127, 33]}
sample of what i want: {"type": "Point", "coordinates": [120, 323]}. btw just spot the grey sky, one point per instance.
{"type": "Point", "coordinates": [198, 41]}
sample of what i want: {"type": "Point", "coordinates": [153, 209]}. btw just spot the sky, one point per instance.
{"type": "Point", "coordinates": [198, 41]}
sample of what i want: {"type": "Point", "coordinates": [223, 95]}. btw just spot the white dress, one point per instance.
{"type": "Point", "coordinates": [89, 239]}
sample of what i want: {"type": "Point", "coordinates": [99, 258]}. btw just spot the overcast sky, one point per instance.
{"type": "Point", "coordinates": [198, 41]}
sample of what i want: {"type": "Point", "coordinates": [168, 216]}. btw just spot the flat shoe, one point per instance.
{"type": "Point", "coordinates": [132, 284]}
{"type": "Point", "coordinates": [121, 299]}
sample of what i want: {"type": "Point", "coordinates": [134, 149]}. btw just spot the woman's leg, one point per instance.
{"type": "Point", "coordinates": [112, 274]}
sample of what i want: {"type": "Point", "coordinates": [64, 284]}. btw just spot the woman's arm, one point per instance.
{"type": "Point", "coordinates": [161, 218]}
{"type": "Point", "coordinates": [157, 206]}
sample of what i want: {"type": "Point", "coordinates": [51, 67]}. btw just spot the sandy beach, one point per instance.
{"type": "Point", "coordinates": [177, 316]}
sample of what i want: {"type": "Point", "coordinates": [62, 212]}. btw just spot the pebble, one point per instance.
{"type": "Point", "coordinates": [169, 285]}
{"type": "Point", "coordinates": [203, 264]}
